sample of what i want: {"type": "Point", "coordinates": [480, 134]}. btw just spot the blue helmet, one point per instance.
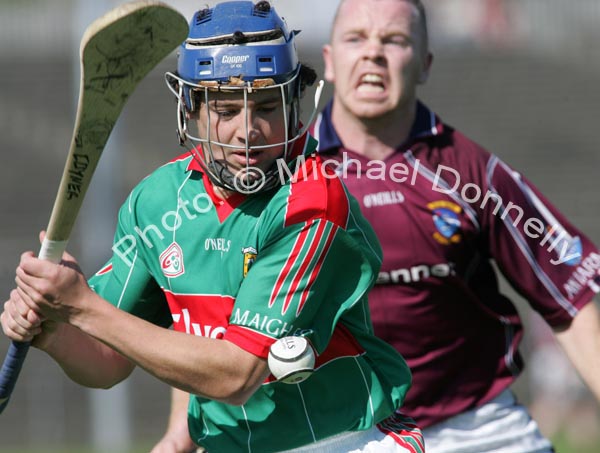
{"type": "Point", "coordinates": [238, 38]}
{"type": "Point", "coordinates": [236, 46]}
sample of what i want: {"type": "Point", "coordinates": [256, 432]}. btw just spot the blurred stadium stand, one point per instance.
{"type": "Point", "coordinates": [521, 77]}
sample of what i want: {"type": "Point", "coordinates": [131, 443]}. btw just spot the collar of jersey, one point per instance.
{"type": "Point", "coordinates": [426, 124]}
{"type": "Point", "coordinates": [224, 207]}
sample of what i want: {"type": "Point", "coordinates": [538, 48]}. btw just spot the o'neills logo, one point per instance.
{"type": "Point", "coordinates": [234, 59]}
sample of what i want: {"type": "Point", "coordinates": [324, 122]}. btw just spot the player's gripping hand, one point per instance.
{"type": "Point", "coordinates": [19, 322]}
{"type": "Point", "coordinates": [57, 292]}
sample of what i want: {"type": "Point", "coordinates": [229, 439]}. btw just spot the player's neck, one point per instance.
{"type": "Point", "coordinates": [375, 138]}
{"type": "Point", "coordinates": [221, 193]}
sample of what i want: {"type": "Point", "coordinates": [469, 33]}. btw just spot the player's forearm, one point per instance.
{"type": "Point", "coordinates": [86, 360]}
{"type": "Point", "coordinates": [581, 342]}
{"type": "Point", "coordinates": [216, 369]}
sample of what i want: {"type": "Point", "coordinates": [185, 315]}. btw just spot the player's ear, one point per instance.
{"type": "Point", "coordinates": [327, 60]}
{"type": "Point", "coordinates": [428, 61]}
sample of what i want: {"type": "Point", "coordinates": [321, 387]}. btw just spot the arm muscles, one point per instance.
{"type": "Point", "coordinates": [216, 369]}
{"type": "Point", "coordinates": [581, 342]}
{"type": "Point", "coordinates": [86, 360]}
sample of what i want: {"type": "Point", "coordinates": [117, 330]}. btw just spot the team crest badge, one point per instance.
{"type": "Point", "coordinates": [565, 246]}
{"type": "Point", "coordinates": [249, 258]}
{"type": "Point", "coordinates": [575, 250]}
{"type": "Point", "coordinates": [171, 261]}
{"type": "Point", "coordinates": [447, 221]}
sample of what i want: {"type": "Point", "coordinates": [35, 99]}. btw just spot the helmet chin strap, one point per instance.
{"type": "Point", "coordinates": [220, 175]}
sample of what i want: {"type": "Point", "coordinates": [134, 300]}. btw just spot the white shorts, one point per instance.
{"type": "Point", "coordinates": [500, 426]}
{"type": "Point", "coordinates": [397, 434]}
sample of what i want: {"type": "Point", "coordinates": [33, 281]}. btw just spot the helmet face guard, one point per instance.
{"type": "Point", "coordinates": [237, 47]}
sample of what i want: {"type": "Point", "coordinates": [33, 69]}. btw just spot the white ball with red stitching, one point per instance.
{"type": "Point", "coordinates": [291, 359]}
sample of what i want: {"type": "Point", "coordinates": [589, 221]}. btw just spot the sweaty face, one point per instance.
{"type": "Point", "coordinates": [377, 56]}
{"type": "Point", "coordinates": [225, 120]}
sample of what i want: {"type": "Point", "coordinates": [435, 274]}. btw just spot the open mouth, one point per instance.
{"type": "Point", "coordinates": [251, 154]}
{"type": "Point", "coordinates": [252, 158]}
{"type": "Point", "coordinates": [371, 83]}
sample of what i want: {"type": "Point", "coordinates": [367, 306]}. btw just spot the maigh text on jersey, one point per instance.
{"type": "Point", "coordinates": [271, 326]}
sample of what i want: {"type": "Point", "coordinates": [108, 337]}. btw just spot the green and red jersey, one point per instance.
{"type": "Point", "coordinates": [296, 260]}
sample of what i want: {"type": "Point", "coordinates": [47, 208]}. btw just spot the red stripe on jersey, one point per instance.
{"type": "Point", "coordinates": [105, 270]}
{"type": "Point", "coordinates": [184, 156]}
{"type": "Point", "coordinates": [399, 438]}
{"type": "Point", "coordinates": [224, 207]}
{"type": "Point", "coordinates": [403, 430]}
{"type": "Point", "coordinates": [205, 315]}
{"type": "Point", "coordinates": [404, 443]}
{"type": "Point", "coordinates": [298, 147]}
{"type": "Point", "coordinates": [306, 200]}
{"type": "Point", "coordinates": [300, 240]}
{"type": "Point", "coordinates": [194, 164]}
{"type": "Point", "coordinates": [316, 240]}
{"type": "Point", "coordinates": [315, 271]}
{"type": "Point", "coordinates": [342, 344]}
{"type": "Point", "coordinates": [249, 340]}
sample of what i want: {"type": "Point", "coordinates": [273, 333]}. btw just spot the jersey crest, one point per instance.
{"type": "Point", "coordinates": [171, 261]}
{"type": "Point", "coordinates": [249, 258]}
{"type": "Point", "coordinates": [446, 221]}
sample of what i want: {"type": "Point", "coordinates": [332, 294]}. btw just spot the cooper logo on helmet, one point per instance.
{"type": "Point", "coordinates": [234, 59]}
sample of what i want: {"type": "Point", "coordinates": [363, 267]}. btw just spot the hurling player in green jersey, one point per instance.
{"type": "Point", "coordinates": [246, 238]}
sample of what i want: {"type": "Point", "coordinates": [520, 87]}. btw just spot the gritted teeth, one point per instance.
{"type": "Point", "coordinates": [372, 78]}
{"type": "Point", "coordinates": [372, 83]}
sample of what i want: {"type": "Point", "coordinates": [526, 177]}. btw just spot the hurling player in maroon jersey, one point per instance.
{"type": "Point", "coordinates": [444, 208]}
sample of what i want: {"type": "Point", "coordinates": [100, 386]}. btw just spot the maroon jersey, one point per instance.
{"type": "Point", "coordinates": [444, 208]}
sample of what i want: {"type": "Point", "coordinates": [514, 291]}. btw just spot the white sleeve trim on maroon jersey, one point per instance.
{"type": "Point", "coordinates": [526, 250]}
